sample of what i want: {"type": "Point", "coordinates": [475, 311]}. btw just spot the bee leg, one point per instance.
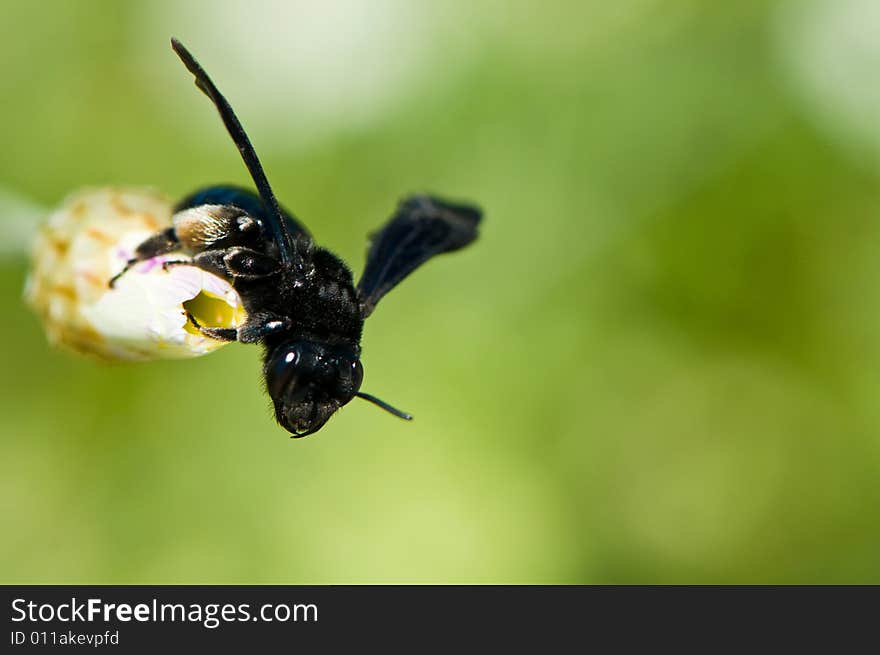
{"type": "Point", "coordinates": [221, 334]}
{"type": "Point", "coordinates": [158, 244]}
{"type": "Point", "coordinates": [237, 262]}
{"type": "Point", "coordinates": [131, 262]}
{"type": "Point", "coordinates": [250, 264]}
{"type": "Point", "coordinates": [211, 261]}
{"type": "Point", "coordinates": [175, 262]}
{"type": "Point", "coordinates": [262, 326]}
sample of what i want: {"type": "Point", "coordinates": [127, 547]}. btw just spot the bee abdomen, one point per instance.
{"type": "Point", "coordinates": [206, 226]}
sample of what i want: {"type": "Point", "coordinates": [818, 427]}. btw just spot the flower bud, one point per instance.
{"type": "Point", "coordinates": [146, 315]}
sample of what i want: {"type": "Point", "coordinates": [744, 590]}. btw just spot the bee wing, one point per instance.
{"type": "Point", "coordinates": [422, 227]}
{"type": "Point", "coordinates": [246, 200]}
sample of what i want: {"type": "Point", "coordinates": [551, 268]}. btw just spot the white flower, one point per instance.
{"type": "Point", "coordinates": [144, 316]}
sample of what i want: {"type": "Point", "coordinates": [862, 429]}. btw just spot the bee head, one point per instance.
{"type": "Point", "coordinates": [309, 381]}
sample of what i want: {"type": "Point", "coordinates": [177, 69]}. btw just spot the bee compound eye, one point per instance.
{"type": "Point", "coordinates": [357, 374]}
{"type": "Point", "coordinates": [348, 379]}
{"type": "Point", "coordinates": [281, 369]}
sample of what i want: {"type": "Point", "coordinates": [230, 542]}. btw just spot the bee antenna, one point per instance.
{"type": "Point", "coordinates": [278, 227]}
{"type": "Point", "coordinates": [388, 408]}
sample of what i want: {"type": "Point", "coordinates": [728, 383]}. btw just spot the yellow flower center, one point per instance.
{"type": "Point", "coordinates": [210, 310]}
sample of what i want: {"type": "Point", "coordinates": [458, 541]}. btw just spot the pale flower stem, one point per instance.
{"type": "Point", "coordinates": [19, 220]}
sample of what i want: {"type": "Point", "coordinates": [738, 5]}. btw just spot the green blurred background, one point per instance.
{"type": "Point", "coordinates": [659, 364]}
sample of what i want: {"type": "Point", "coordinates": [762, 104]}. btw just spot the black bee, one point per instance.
{"type": "Point", "coordinates": [301, 300]}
